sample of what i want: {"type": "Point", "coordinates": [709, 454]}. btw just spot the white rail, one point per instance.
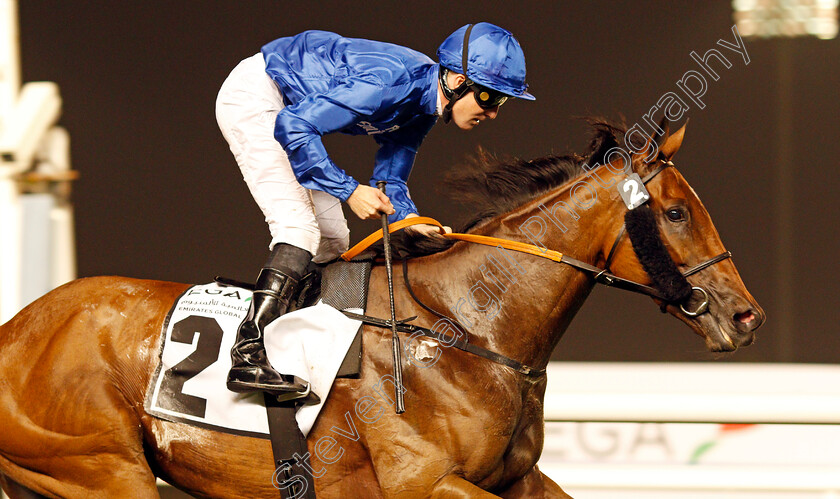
{"type": "Point", "coordinates": [692, 430]}
{"type": "Point", "coordinates": [9, 215]}
{"type": "Point", "coordinates": [9, 55]}
{"type": "Point", "coordinates": [37, 247]}
{"type": "Point", "coordinates": [693, 392]}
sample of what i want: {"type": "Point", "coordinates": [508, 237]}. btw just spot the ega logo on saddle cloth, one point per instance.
{"type": "Point", "coordinates": [189, 383]}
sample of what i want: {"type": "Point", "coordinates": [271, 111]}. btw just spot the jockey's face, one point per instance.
{"type": "Point", "coordinates": [466, 113]}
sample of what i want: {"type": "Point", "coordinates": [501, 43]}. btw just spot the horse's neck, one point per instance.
{"type": "Point", "coordinates": [516, 304]}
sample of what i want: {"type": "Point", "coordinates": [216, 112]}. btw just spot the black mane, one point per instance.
{"type": "Point", "coordinates": [492, 185]}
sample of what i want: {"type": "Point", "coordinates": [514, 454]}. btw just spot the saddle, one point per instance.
{"type": "Point", "coordinates": [339, 284]}
{"type": "Point", "coordinates": [342, 285]}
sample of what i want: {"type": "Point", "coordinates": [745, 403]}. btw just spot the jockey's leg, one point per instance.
{"type": "Point", "coordinates": [335, 236]}
{"type": "Point", "coordinates": [276, 287]}
{"type": "Point", "coordinates": [246, 107]}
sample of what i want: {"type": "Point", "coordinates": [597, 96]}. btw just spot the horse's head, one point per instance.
{"type": "Point", "coordinates": [673, 251]}
{"type": "Point", "coordinates": [730, 315]}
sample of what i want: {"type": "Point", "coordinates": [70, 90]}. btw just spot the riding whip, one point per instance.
{"type": "Point", "coordinates": [395, 340]}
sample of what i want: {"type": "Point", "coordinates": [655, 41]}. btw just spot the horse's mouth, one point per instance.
{"type": "Point", "coordinates": [722, 342]}
{"type": "Point", "coordinates": [725, 334]}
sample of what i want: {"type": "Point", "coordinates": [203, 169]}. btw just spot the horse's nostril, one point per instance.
{"type": "Point", "coordinates": [744, 317]}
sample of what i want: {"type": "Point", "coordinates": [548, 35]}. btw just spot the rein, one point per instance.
{"type": "Point", "coordinates": [600, 275]}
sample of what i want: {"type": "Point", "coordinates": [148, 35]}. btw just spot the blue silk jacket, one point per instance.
{"type": "Point", "coordinates": [355, 86]}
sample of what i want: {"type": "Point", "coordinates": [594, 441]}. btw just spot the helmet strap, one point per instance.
{"type": "Point", "coordinates": [454, 95]}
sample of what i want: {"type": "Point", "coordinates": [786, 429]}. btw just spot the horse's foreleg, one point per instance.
{"type": "Point", "coordinates": [71, 477]}
{"type": "Point", "coordinates": [453, 486]}
{"type": "Point", "coordinates": [17, 491]}
{"type": "Point", "coordinates": [534, 485]}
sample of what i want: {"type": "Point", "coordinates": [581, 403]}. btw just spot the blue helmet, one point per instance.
{"type": "Point", "coordinates": [493, 58]}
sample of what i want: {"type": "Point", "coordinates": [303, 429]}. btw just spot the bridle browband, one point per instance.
{"type": "Point", "coordinates": [600, 275]}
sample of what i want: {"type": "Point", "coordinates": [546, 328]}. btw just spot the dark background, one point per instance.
{"type": "Point", "coordinates": [160, 195]}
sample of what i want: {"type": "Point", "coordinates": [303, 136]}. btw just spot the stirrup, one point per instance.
{"type": "Point", "coordinates": [306, 397]}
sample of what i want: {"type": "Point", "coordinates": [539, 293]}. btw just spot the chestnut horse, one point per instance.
{"type": "Point", "coordinates": [75, 364]}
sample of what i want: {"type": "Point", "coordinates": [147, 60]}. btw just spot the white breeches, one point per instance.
{"type": "Point", "coordinates": [246, 108]}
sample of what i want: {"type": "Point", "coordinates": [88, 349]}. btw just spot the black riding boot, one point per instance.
{"type": "Point", "coordinates": [276, 287]}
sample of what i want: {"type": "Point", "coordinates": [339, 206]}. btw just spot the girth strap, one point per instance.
{"type": "Point", "coordinates": [288, 445]}
{"type": "Point", "coordinates": [404, 327]}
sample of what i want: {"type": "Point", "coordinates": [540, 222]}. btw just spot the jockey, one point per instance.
{"type": "Point", "coordinates": [275, 106]}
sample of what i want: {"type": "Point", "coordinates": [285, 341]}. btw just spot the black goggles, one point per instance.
{"type": "Point", "coordinates": [487, 98]}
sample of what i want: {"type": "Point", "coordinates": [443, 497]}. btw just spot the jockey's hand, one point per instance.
{"type": "Point", "coordinates": [427, 230]}
{"type": "Point", "coordinates": [369, 203]}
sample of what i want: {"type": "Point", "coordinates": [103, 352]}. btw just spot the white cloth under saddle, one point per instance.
{"type": "Point", "coordinates": [189, 385]}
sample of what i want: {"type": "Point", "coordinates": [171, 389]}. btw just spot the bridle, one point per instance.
{"type": "Point", "coordinates": [606, 277]}
{"type": "Point", "coordinates": [601, 275]}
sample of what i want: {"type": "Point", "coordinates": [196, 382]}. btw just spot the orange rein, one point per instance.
{"type": "Point", "coordinates": [472, 238]}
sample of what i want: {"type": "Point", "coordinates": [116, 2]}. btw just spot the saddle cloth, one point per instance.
{"type": "Point", "coordinates": [189, 384]}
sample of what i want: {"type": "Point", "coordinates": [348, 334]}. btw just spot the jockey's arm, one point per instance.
{"type": "Point", "coordinates": [394, 161]}
{"type": "Point", "coordinates": [299, 128]}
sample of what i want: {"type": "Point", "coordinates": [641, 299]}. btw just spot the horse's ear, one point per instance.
{"type": "Point", "coordinates": [672, 143]}
{"type": "Point", "coordinates": [659, 146]}
{"type": "Point", "coordinates": [660, 139]}
{"type": "Point", "coordinates": [645, 159]}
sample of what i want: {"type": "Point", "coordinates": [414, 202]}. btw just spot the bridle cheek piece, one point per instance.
{"type": "Point", "coordinates": [669, 285]}
{"type": "Point", "coordinates": [600, 275]}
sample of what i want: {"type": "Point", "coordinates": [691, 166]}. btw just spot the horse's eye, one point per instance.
{"type": "Point", "coordinates": [675, 215]}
